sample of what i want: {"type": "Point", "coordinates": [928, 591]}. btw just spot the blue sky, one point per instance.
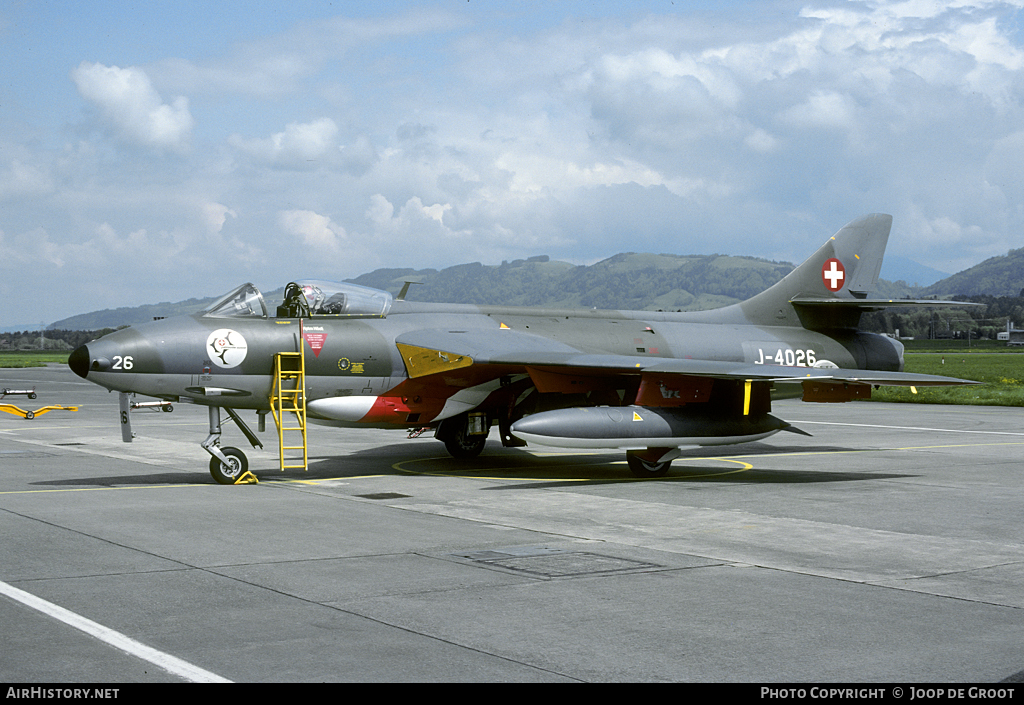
{"type": "Point", "coordinates": [157, 151]}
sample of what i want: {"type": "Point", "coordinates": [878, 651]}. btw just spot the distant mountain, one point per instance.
{"type": "Point", "coordinates": [629, 280]}
{"type": "Point", "coordinates": [996, 276]}
{"type": "Point", "coordinates": [18, 328]}
{"type": "Point", "coordinates": [896, 268]}
{"type": "Point", "coordinates": [128, 316]}
{"type": "Point", "coordinates": [625, 281]}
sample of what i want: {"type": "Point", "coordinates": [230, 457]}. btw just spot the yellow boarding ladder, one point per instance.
{"type": "Point", "coordinates": [288, 396]}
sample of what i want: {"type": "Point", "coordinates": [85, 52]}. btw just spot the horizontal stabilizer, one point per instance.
{"type": "Point", "coordinates": [866, 305]}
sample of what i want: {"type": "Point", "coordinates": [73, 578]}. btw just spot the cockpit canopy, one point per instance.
{"type": "Point", "coordinates": [306, 298]}
{"type": "Point", "coordinates": [244, 302]}
{"type": "Point", "coordinates": [310, 298]}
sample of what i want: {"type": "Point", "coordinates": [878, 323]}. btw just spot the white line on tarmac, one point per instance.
{"type": "Point", "coordinates": [169, 663]}
{"type": "Point", "coordinates": [910, 428]}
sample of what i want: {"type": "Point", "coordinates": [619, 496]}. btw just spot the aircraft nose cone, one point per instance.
{"type": "Point", "coordinates": [78, 361]}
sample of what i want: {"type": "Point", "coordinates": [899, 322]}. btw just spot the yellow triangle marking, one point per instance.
{"type": "Point", "coordinates": [637, 417]}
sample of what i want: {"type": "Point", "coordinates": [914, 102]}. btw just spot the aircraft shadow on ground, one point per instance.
{"type": "Point", "coordinates": [561, 469]}
{"type": "Point", "coordinates": [528, 468]}
{"type": "Point", "coordinates": [113, 481]}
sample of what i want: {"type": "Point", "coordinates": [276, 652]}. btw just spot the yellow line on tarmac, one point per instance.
{"type": "Point", "coordinates": [270, 481]}
{"type": "Point", "coordinates": [875, 450]}
{"type": "Point", "coordinates": [104, 489]}
{"type": "Point", "coordinates": [320, 480]}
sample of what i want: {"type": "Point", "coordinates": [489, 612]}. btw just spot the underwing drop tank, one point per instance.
{"type": "Point", "coordinates": [634, 427]}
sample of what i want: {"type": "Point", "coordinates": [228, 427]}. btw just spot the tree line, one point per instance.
{"type": "Point", "coordinates": [50, 339]}
{"type": "Point", "coordinates": [984, 321]}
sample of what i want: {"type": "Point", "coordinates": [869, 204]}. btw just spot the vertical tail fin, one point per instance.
{"type": "Point", "coordinates": [845, 268]}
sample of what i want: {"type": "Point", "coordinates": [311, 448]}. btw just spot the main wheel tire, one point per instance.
{"type": "Point", "coordinates": [645, 468]}
{"type": "Point", "coordinates": [463, 446]}
{"type": "Point", "coordinates": [228, 473]}
{"type": "Point", "coordinates": [457, 439]}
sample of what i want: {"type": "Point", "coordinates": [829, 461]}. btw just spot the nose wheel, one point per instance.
{"type": "Point", "coordinates": [231, 468]}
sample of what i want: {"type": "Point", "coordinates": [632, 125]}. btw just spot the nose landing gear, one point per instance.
{"type": "Point", "coordinates": [229, 466]}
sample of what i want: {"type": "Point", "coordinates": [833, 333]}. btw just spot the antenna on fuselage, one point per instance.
{"type": "Point", "coordinates": [405, 290]}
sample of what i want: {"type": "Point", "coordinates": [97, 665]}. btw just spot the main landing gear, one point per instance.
{"type": "Point", "coordinates": [641, 465]}
{"type": "Point", "coordinates": [229, 466]}
{"type": "Point", "coordinates": [464, 435]}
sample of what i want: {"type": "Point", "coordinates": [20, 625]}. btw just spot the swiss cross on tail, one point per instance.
{"type": "Point", "coordinates": [833, 274]}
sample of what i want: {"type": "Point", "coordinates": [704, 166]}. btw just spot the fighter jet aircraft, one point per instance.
{"type": "Point", "coordinates": [649, 383]}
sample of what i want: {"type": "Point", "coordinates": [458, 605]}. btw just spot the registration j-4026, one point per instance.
{"type": "Point", "coordinates": [789, 357]}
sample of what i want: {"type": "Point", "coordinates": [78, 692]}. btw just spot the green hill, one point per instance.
{"type": "Point", "coordinates": [634, 281]}
{"type": "Point", "coordinates": [996, 276]}
{"type": "Point", "coordinates": [625, 281]}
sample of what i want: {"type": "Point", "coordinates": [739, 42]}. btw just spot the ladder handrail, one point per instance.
{"type": "Point", "coordinates": [296, 398]}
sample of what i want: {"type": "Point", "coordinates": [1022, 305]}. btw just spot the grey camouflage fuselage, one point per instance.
{"type": "Point", "coordinates": [670, 379]}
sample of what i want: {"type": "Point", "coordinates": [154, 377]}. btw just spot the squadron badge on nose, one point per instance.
{"type": "Point", "coordinates": [226, 348]}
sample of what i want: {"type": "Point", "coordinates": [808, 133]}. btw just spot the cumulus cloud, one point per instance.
{"type": "Point", "coordinates": [315, 232]}
{"type": "Point", "coordinates": [299, 146]}
{"type": "Point", "coordinates": [670, 131]}
{"type": "Point", "coordinates": [18, 179]}
{"type": "Point", "coordinates": [413, 219]}
{"type": "Point", "coordinates": [129, 102]}
{"type": "Point", "coordinates": [284, 63]}
{"type": "Point", "coordinates": [761, 141]}
{"type": "Point", "coordinates": [359, 156]}
{"type": "Point", "coordinates": [435, 235]}
{"type": "Point", "coordinates": [215, 215]}
{"type": "Point", "coordinates": [822, 109]}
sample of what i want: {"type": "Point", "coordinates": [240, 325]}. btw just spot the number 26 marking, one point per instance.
{"type": "Point", "coordinates": [123, 363]}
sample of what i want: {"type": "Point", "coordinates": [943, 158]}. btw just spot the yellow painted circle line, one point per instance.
{"type": "Point", "coordinates": [464, 473]}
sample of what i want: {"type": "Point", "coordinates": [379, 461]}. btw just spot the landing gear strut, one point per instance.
{"type": "Point", "coordinates": [228, 466]}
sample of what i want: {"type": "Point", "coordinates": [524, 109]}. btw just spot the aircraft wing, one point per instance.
{"type": "Point", "coordinates": [432, 351]}
{"type": "Point", "coordinates": [818, 313]}
{"type": "Point", "coordinates": [485, 346]}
